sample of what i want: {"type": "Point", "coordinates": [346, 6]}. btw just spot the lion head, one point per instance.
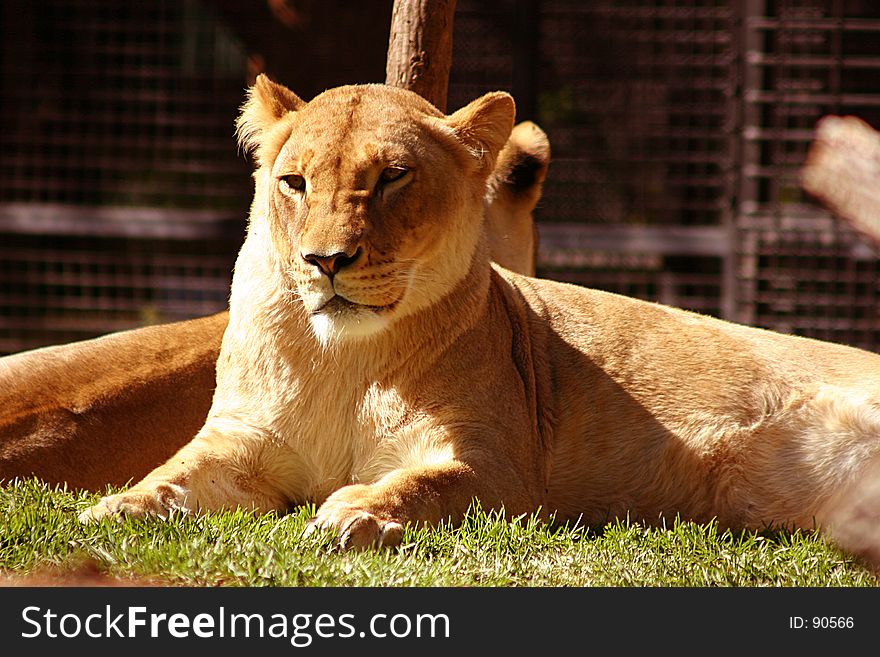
{"type": "Point", "coordinates": [373, 199]}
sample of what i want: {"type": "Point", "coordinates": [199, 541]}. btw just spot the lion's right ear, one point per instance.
{"type": "Point", "coordinates": [484, 125]}
{"type": "Point", "coordinates": [266, 103]}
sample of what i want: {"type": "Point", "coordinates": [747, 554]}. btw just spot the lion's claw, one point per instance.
{"type": "Point", "coordinates": [356, 526]}
{"type": "Point", "coordinates": [161, 502]}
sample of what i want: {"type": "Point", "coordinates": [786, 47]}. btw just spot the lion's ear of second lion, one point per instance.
{"type": "Point", "coordinates": [267, 102]}
{"type": "Point", "coordinates": [484, 125]}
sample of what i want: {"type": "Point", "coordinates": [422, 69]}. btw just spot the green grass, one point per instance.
{"type": "Point", "coordinates": [39, 533]}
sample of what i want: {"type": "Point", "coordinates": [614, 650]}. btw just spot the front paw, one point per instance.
{"type": "Point", "coordinates": [159, 501]}
{"type": "Point", "coordinates": [358, 522]}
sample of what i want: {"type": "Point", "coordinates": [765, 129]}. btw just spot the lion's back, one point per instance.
{"type": "Point", "coordinates": [610, 327]}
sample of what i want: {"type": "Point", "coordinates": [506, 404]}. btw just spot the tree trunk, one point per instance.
{"type": "Point", "coordinates": [420, 48]}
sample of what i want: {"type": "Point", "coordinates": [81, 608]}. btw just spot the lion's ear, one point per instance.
{"type": "Point", "coordinates": [266, 102]}
{"type": "Point", "coordinates": [484, 126]}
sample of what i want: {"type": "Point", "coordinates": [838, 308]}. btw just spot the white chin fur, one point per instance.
{"type": "Point", "coordinates": [333, 328]}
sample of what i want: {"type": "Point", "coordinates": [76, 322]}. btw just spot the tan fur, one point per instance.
{"type": "Point", "coordinates": [514, 189]}
{"type": "Point", "coordinates": [422, 376]}
{"type": "Point", "coordinates": [109, 410]}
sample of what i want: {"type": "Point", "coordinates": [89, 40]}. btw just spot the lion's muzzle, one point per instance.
{"type": "Point", "coordinates": [330, 265]}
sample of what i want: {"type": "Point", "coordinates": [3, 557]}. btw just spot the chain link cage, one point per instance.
{"type": "Point", "coordinates": [678, 129]}
{"type": "Point", "coordinates": [122, 194]}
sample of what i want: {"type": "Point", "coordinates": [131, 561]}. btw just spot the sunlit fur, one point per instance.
{"type": "Point", "coordinates": [108, 410]}
{"type": "Point", "coordinates": [525, 393]}
{"type": "Point", "coordinates": [514, 186]}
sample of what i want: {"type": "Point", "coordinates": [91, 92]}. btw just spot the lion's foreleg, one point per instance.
{"type": "Point", "coordinates": [374, 514]}
{"type": "Point", "coordinates": [219, 469]}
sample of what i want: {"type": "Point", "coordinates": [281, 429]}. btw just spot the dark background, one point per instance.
{"type": "Point", "coordinates": [678, 129]}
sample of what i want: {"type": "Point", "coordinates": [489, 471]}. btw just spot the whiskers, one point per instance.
{"type": "Point", "coordinates": [408, 275]}
{"type": "Point", "coordinates": [380, 286]}
{"type": "Point", "coordinates": [290, 290]}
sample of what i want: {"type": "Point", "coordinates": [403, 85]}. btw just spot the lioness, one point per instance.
{"type": "Point", "coordinates": [376, 361]}
{"type": "Point", "coordinates": [110, 409]}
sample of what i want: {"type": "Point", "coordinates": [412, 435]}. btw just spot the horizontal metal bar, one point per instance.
{"type": "Point", "coordinates": [147, 255]}
{"type": "Point", "coordinates": [219, 282]}
{"type": "Point", "coordinates": [129, 302]}
{"type": "Point", "coordinates": [800, 98]}
{"type": "Point", "coordinates": [761, 133]}
{"type": "Point", "coordinates": [812, 60]}
{"type": "Point", "coordinates": [846, 24]}
{"type": "Point", "coordinates": [654, 240]}
{"type": "Point", "coordinates": [110, 221]}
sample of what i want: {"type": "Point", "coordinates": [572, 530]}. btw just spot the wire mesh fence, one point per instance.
{"type": "Point", "coordinates": [800, 269]}
{"type": "Point", "coordinates": [678, 129]}
{"type": "Point", "coordinates": [122, 194]}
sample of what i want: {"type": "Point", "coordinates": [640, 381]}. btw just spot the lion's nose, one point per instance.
{"type": "Point", "coordinates": [331, 264]}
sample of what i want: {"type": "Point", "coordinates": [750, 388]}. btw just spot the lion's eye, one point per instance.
{"type": "Point", "coordinates": [292, 183]}
{"type": "Point", "coordinates": [390, 174]}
